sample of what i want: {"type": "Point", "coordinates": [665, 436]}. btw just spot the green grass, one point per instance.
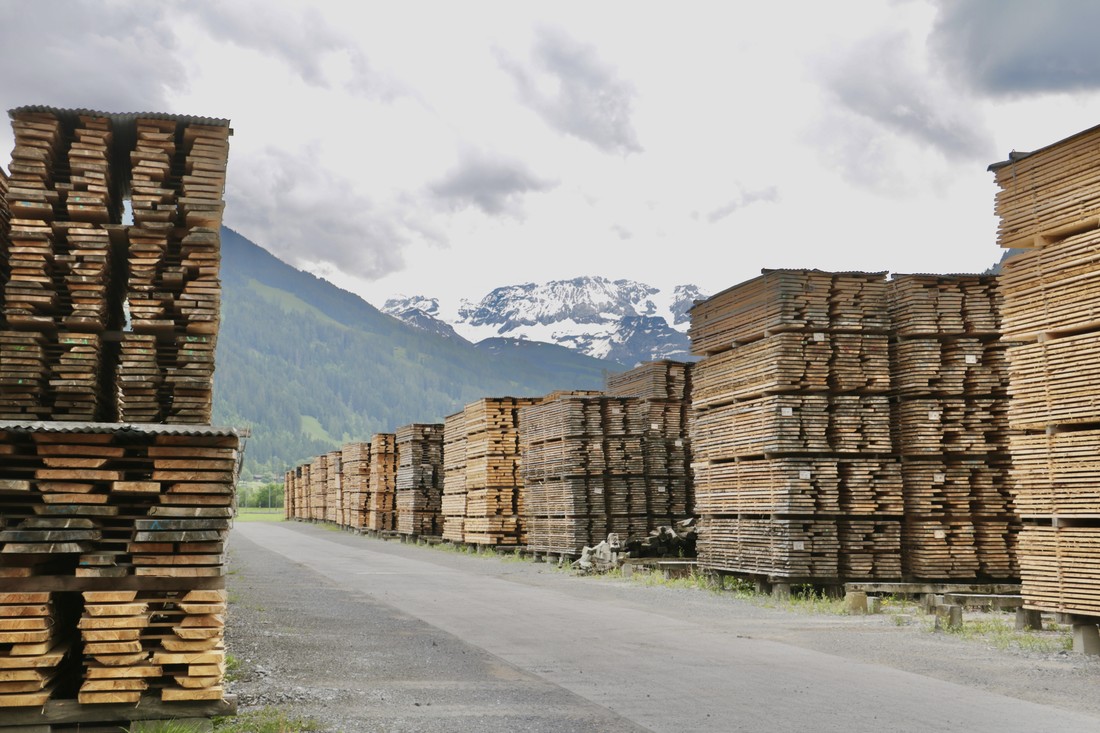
{"type": "Point", "coordinates": [803, 599]}
{"type": "Point", "coordinates": [232, 668]}
{"type": "Point", "coordinates": [264, 720]}
{"type": "Point", "coordinates": [999, 631]}
{"type": "Point", "coordinates": [160, 726]}
{"type": "Point", "coordinates": [254, 514]}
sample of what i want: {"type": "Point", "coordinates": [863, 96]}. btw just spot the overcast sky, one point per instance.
{"type": "Point", "coordinates": [446, 148]}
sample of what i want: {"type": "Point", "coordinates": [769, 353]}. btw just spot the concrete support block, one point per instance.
{"type": "Point", "coordinates": [781, 591]}
{"type": "Point", "coordinates": [855, 601]}
{"type": "Point", "coordinates": [948, 617]}
{"type": "Point", "coordinates": [1086, 639]}
{"type": "Point", "coordinates": [1028, 620]}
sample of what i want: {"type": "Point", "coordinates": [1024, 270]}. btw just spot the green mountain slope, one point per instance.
{"type": "Point", "coordinates": [309, 366]}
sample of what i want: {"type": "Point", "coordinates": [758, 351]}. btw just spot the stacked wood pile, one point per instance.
{"type": "Point", "coordinates": [37, 640]}
{"type": "Point", "coordinates": [333, 475]}
{"type": "Point", "coordinates": [420, 479]}
{"type": "Point", "coordinates": [795, 475]}
{"type": "Point", "coordinates": [1049, 201]}
{"type": "Point", "coordinates": [113, 531]}
{"type": "Point", "coordinates": [355, 461]}
{"type": "Point", "coordinates": [382, 483]}
{"type": "Point", "coordinates": [75, 343]}
{"type": "Point", "coordinates": [290, 492]}
{"type": "Point", "coordinates": [584, 471]}
{"type": "Point", "coordinates": [453, 503]}
{"type": "Point", "coordinates": [118, 533]}
{"type": "Point", "coordinates": [951, 429]}
{"type": "Point", "coordinates": [493, 484]}
{"type": "Point", "coordinates": [666, 387]}
{"type": "Point", "coordinates": [318, 481]}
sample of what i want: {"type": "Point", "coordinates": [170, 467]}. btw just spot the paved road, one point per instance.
{"type": "Point", "coordinates": [519, 650]}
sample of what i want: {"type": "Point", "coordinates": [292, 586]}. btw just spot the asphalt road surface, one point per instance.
{"type": "Point", "coordinates": [367, 635]}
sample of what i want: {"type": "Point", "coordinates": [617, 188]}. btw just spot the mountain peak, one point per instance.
{"type": "Point", "coordinates": [622, 320]}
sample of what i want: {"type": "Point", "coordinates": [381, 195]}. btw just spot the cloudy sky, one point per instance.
{"type": "Point", "coordinates": [446, 148]}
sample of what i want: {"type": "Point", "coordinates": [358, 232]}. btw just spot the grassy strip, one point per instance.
{"type": "Point", "coordinates": [264, 720]}
{"type": "Point", "coordinates": [252, 514]}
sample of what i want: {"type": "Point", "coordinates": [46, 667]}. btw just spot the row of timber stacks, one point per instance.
{"type": "Point", "coordinates": [1049, 205]}
{"type": "Point", "coordinates": [848, 427]}
{"type": "Point", "coordinates": [116, 496]}
{"type": "Point", "coordinates": [99, 320]}
{"type": "Point", "coordinates": [552, 474]}
{"type": "Point", "coordinates": [392, 483]}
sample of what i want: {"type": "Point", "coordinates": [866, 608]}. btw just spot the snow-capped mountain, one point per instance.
{"type": "Point", "coordinates": [621, 320]}
{"type": "Point", "coordinates": [420, 312]}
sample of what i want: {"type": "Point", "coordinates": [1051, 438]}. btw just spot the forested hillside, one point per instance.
{"type": "Point", "coordinates": [309, 366]}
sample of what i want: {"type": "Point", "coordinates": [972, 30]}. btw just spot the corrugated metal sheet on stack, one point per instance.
{"type": "Point", "coordinates": [1049, 203]}
{"type": "Point", "coordinates": [382, 484]}
{"type": "Point", "coordinates": [794, 472]}
{"type": "Point", "coordinates": [98, 519]}
{"type": "Point", "coordinates": [493, 484]}
{"type": "Point", "coordinates": [666, 388]}
{"type": "Point", "coordinates": [420, 479]}
{"type": "Point", "coordinates": [951, 429]}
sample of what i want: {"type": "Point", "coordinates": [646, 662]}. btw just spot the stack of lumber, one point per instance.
{"type": "Point", "coordinates": [382, 500]}
{"type": "Point", "coordinates": [31, 299]}
{"type": "Point", "coordinates": [23, 375]}
{"type": "Point", "coordinates": [420, 479]}
{"type": "Point", "coordinates": [1049, 202]}
{"type": "Point", "coordinates": [355, 460]}
{"type": "Point", "coordinates": [795, 471]}
{"type": "Point", "coordinates": [597, 465]}
{"type": "Point", "coordinates": [780, 547]}
{"type": "Point", "coordinates": [1048, 194]}
{"type": "Point", "coordinates": [290, 493]}
{"type": "Point", "coordinates": [493, 484]}
{"type": "Point", "coordinates": [453, 502]}
{"type": "Point", "coordinates": [131, 524]}
{"type": "Point", "coordinates": [654, 380]}
{"type": "Point", "coordinates": [36, 641]}
{"type": "Point", "coordinates": [788, 300]}
{"type": "Point", "coordinates": [318, 480]}
{"type": "Point", "coordinates": [115, 530]}
{"type": "Point", "coordinates": [63, 206]}
{"type": "Point", "coordinates": [173, 291]}
{"type": "Point", "coordinates": [667, 388]}
{"type": "Point", "coordinates": [333, 474]}
{"type": "Point", "coordinates": [171, 642]}
{"type": "Point", "coordinates": [951, 427]}
{"type": "Point", "coordinates": [792, 362]}
{"type": "Point", "coordinates": [106, 503]}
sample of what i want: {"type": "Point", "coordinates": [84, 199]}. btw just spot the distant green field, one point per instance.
{"type": "Point", "coordinates": [252, 514]}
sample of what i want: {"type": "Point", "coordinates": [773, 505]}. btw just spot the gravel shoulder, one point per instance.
{"type": "Point", "coordinates": [385, 643]}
